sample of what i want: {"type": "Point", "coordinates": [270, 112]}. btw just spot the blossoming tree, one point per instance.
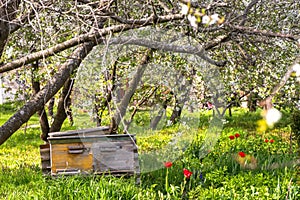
{"type": "Point", "coordinates": [252, 43]}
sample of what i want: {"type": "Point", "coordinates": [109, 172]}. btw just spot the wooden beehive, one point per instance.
{"type": "Point", "coordinates": [45, 158]}
{"type": "Point", "coordinates": [93, 151]}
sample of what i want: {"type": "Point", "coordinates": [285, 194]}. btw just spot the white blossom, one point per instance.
{"type": "Point", "coordinates": [184, 9]}
{"type": "Point", "coordinates": [272, 116]}
{"type": "Point", "coordinates": [214, 19]}
{"type": "Point", "coordinates": [210, 20]}
{"type": "Point", "coordinates": [193, 21]}
{"type": "Point", "coordinates": [296, 68]}
{"type": "Point", "coordinates": [205, 19]}
{"type": "Point", "coordinates": [9, 52]}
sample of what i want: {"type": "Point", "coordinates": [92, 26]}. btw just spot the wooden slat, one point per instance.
{"type": "Point", "coordinates": [113, 156]}
{"type": "Point", "coordinates": [88, 132]}
{"type": "Point", "coordinates": [45, 158]}
{"type": "Point", "coordinates": [61, 158]}
{"type": "Point", "coordinates": [89, 139]}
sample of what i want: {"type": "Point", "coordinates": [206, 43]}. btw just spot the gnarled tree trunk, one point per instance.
{"type": "Point", "coordinates": [63, 107]}
{"type": "Point", "coordinates": [8, 12]}
{"type": "Point", "coordinates": [122, 107]}
{"type": "Point", "coordinates": [42, 112]}
{"type": "Point", "coordinates": [45, 94]}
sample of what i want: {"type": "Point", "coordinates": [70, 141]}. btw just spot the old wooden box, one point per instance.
{"type": "Point", "coordinates": [91, 151]}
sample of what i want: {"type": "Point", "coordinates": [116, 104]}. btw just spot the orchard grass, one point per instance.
{"type": "Point", "coordinates": [271, 171]}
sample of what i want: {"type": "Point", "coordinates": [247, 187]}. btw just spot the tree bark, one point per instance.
{"type": "Point", "coordinates": [176, 111]}
{"type": "Point", "coordinates": [45, 94]}
{"type": "Point", "coordinates": [122, 107]}
{"type": "Point", "coordinates": [139, 103]}
{"type": "Point", "coordinates": [154, 122]}
{"type": "Point", "coordinates": [8, 12]}
{"type": "Point", "coordinates": [102, 103]}
{"type": "Point", "coordinates": [180, 101]}
{"type": "Point", "coordinates": [51, 107]}
{"type": "Point", "coordinates": [63, 107]}
{"type": "Point", "coordinates": [267, 102]}
{"type": "Point", "coordinates": [42, 112]}
{"type": "Point", "coordinates": [165, 46]}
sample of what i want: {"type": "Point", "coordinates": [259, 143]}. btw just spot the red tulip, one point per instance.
{"type": "Point", "coordinates": [242, 154]}
{"type": "Point", "coordinates": [271, 141]}
{"type": "Point", "coordinates": [168, 164]}
{"type": "Point", "coordinates": [187, 173]}
{"type": "Point", "coordinates": [237, 135]}
{"type": "Point", "coordinates": [266, 140]}
{"type": "Point", "coordinates": [231, 137]}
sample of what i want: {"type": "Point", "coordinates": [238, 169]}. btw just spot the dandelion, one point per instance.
{"type": "Point", "coordinates": [168, 164]}
{"type": "Point", "coordinates": [187, 173]}
{"type": "Point", "coordinates": [242, 154]}
{"type": "Point", "coordinates": [272, 141]}
{"type": "Point", "coordinates": [273, 115]}
{"type": "Point", "coordinates": [231, 137]}
{"type": "Point", "coordinates": [237, 135]}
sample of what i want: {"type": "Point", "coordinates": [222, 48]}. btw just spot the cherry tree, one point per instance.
{"type": "Point", "coordinates": [254, 44]}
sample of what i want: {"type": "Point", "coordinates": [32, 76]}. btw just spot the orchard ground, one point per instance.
{"type": "Point", "coordinates": [244, 164]}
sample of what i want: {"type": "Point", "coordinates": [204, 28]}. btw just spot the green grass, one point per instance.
{"type": "Point", "coordinates": [217, 175]}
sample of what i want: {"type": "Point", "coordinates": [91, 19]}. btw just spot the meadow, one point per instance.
{"type": "Point", "coordinates": [244, 164]}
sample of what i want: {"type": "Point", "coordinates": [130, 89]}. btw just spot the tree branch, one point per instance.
{"type": "Point", "coordinates": [246, 11]}
{"type": "Point", "coordinates": [196, 4]}
{"type": "Point", "coordinates": [215, 42]}
{"type": "Point", "coordinates": [253, 31]}
{"type": "Point", "coordinates": [166, 47]}
{"type": "Point", "coordinates": [52, 87]}
{"type": "Point", "coordinates": [267, 103]}
{"type": "Point", "coordinates": [88, 37]}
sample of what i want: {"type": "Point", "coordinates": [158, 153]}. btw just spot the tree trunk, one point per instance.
{"type": "Point", "coordinates": [51, 107]}
{"type": "Point", "coordinates": [45, 94]}
{"type": "Point", "coordinates": [179, 102]}
{"type": "Point", "coordinates": [122, 107]}
{"type": "Point", "coordinates": [138, 104]}
{"type": "Point", "coordinates": [8, 12]}
{"type": "Point", "coordinates": [267, 102]}
{"type": "Point", "coordinates": [63, 107]}
{"type": "Point", "coordinates": [176, 111]}
{"type": "Point", "coordinates": [41, 113]}
{"type": "Point", "coordinates": [102, 103]}
{"type": "Point", "coordinates": [252, 101]}
{"type": "Point", "coordinates": [154, 122]}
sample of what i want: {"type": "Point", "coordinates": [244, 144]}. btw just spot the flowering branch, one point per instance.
{"type": "Point", "coordinates": [253, 31]}
{"type": "Point", "coordinates": [267, 103]}
{"type": "Point", "coordinates": [95, 36]}
{"type": "Point", "coordinates": [167, 47]}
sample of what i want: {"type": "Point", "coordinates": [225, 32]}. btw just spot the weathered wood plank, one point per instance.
{"type": "Point", "coordinates": [83, 132]}
{"type": "Point", "coordinates": [61, 158]}
{"type": "Point", "coordinates": [45, 158]}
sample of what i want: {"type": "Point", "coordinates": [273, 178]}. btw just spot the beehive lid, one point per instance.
{"type": "Point", "coordinates": [81, 133]}
{"type": "Point", "coordinates": [86, 135]}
